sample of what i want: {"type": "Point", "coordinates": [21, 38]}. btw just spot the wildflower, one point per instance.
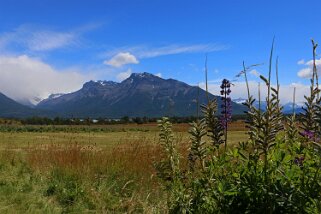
{"type": "Point", "coordinates": [308, 134]}
{"type": "Point", "coordinates": [299, 161]}
{"type": "Point", "coordinates": [226, 113]}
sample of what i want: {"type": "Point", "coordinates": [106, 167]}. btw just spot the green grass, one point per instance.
{"type": "Point", "coordinates": [84, 172]}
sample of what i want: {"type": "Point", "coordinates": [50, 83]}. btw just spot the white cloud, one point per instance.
{"type": "Point", "coordinates": [301, 62]}
{"type": "Point", "coordinates": [46, 40]}
{"type": "Point", "coordinates": [255, 73]}
{"type": "Point", "coordinates": [179, 49]}
{"type": "Point", "coordinates": [124, 75]}
{"type": "Point", "coordinates": [317, 62]}
{"type": "Point", "coordinates": [122, 58]}
{"type": "Point", "coordinates": [239, 90]}
{"type": "Point", "coordinates": [144, 51]}
{"type": "Point", "coordinates": [34, 39]}
{"type": "Point", "coordinates": [158, 74]}
{"type": "Point", "coordinates": [307, 71]}
{"type": "Point", "coordinates": [24, 78]}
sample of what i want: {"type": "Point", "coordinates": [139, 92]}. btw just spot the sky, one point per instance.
{"type": "Point", "coordinates": [55, 46]}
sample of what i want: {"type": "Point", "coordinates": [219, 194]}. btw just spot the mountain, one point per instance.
{"type": "Point", "coordinates": [142, 94]}
{"type": "Point", "coordinates": [287, 108]}
{"type": "Point", "coordinates": [256, 103]}
{"type": "Point", "coordinates": [12, 109]}
{"type": "Point", "coordinates": [239, 100]}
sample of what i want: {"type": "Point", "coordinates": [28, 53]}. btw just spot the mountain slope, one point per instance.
{"type": "Point", "coordinates": [142, 94]}
{"type": "Point", "coordinates": [12, 109]}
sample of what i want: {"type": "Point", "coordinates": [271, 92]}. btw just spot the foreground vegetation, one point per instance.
{"type": "Point", "coordinates": [83, 170]}
{"type": "Point", "coordinates": [78, 179]}
{"type": "Point", "coordinates": [277, 170]}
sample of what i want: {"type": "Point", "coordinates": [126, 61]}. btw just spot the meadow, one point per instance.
{"type": "Point", "coordinates": [269, 163]}
{"type": "Point", "coordinates": [85, 169]}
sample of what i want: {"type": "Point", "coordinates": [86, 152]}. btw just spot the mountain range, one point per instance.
{"type": "Point", "coordinates": [287, 108]}
{"type": "Point", "coordinates": [141, 94]}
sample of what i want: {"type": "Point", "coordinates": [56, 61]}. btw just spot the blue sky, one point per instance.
{"type": "Point", "coordinates": [54, 46]}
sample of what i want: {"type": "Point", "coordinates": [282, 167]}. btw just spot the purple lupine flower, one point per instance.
{"type": "Point", "coordinates": [299, 161]}
{"type": "Point", "coordinates": [226, 113]}
{"type": "Point", "coordinates": [308, 134]}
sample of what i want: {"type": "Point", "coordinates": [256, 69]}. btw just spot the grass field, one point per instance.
{"type": "Point", "coordinates": [104, 169]}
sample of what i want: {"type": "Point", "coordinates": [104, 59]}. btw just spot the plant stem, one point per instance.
{"type": "Point", "coordinates": [246, 81]}
{"type": "Point", "coordinates": [293, 103]}
{"type": "Point", "coordinates": [315, 73]}
{"type": "Point", "coordinates": [206, 84]}
{"type": "Point", "coordinates": [225, 115]}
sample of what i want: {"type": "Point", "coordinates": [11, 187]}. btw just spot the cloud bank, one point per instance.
{"type": "Point", "coordinates": [24, 79]}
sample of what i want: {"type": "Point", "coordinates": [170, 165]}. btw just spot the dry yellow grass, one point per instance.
{"type": "Point", "coordinates": [104, 172]}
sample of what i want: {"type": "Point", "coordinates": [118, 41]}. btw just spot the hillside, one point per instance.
{"type": "Point", "coordinates": [12, 109]}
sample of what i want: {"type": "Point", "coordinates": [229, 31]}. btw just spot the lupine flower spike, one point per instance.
{"type": "Point", "coordinates": [226, 113]}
